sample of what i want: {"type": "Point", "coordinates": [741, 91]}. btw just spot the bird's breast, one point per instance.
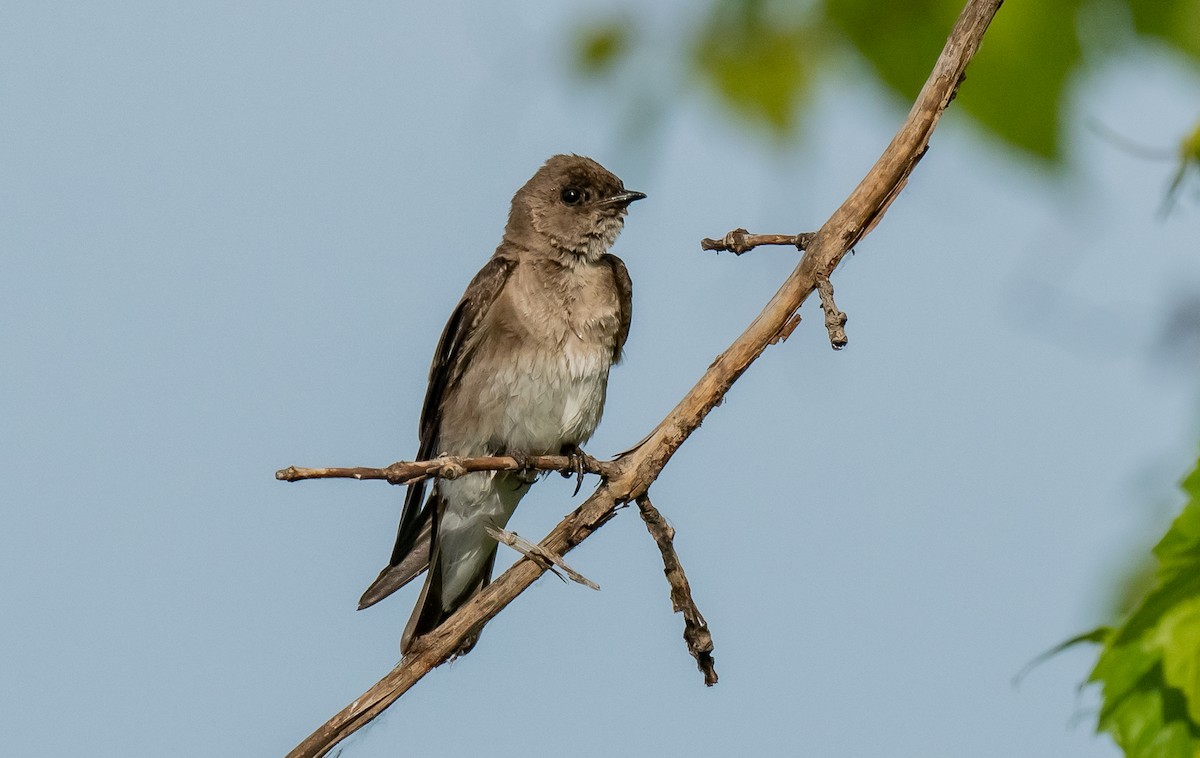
{"type": "Point", "coordinates": [556, 390]}
{"type": "Point", "coordinates": [541, 370]}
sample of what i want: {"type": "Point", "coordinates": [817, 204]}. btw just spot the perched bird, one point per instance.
{"type": "Point", "coordinates": [521, 369]}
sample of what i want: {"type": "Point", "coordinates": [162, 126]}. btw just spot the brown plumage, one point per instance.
{"type": "Point", "coordinates": [522, 367]}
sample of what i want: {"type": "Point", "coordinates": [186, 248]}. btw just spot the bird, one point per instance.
{"type": "Point", "coordinates": [521, 369]}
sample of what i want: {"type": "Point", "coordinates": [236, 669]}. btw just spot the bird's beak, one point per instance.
{"type": "Point", "coordinates": [624, 198]}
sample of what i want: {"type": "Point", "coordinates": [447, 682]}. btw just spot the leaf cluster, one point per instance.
{"type": "Point", "coordinates": [760, 60]}
{"type": "Point", "coordinates": [1149, 665]}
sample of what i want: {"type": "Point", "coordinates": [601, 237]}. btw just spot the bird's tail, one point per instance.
{"type": "Point", "coordinates": [433, 608]}
{"type": "Point", "coordinates": [407, 566]}
{"type": "Point", "coordinates": [464, 554]}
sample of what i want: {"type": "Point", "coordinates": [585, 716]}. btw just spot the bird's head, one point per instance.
{"type": "Point", "coordinates": [573, 203]}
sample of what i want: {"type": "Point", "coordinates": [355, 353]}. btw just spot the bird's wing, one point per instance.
{"type": "Point", "coordinates": [625, 295]}
{"type": "Point", "coordinates": [414, 537]}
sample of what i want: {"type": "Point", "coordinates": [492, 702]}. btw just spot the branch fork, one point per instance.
{"type": "Point", "coordinates": [741, 241]}
{"type": "Point", "coordinates": [540, 555]}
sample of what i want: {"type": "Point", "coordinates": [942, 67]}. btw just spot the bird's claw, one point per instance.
{"type": "Point", "coordinates": [524, 460]}
{"type": "Point", "coordinates": [579, 465]}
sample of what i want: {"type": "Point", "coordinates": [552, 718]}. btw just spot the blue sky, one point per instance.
{"type": "Point", "coordinates": [230, 236]}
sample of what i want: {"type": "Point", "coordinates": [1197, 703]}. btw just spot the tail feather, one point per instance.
{"type": "Point", "coordinates": [448, 535]}
{"type": "Point", "coordinates": [406, 566]}
{"type": "Point", "coordinates": [431, 609]}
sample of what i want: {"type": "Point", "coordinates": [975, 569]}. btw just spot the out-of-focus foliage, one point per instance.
{"type": "Point", "coordinates": [1017, 80]}
{"type": "Point", "coordinates": [1176, 22]}
{"type": "Point", "coordinates": [1149, 665]}
{"type": "Point", "coordinates": [599, 47]}
{"type": "Point", "coordinates": [759, 58]}
{"type": "Point", "coordinates": [757, 64]}
{"type": "Point", "coordinates": [1189, 160]}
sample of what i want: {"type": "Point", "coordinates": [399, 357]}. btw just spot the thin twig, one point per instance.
{"type": "Point", "coordinates": [741, 241]}
{"type": "Point", "coordinates": [451, 467]}
{"type": "Point", "coordinates": [632, 474]}
{"type": "Point", "coordinates": [835, 320]}
{"type": "Point", "coordinates": [695, 628]}
{"type": "Point", "coordinates": [539, 554]}
{"type": "Point", "coordinates": [435, 648]}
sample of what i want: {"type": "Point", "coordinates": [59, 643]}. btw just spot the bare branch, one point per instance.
{"type": "Point", "coordinates": [451, 467]}
{"type": "Point", "coordinates": [443, 643]}
{"type": "Point", "coordinates": [740, 241]}
{"type": "Point", "coordinates": [857, 215]}
{"type": "Point", "coordinates": [835, 320]}
{"type": "Point", "coordinates": [695, 628]}
{"type": "Point", "coordinates": [539, 554]}
{"type": "Point", "coordinates": [787, 329]}
{"type": "Point", "coordinates": [630, 476]}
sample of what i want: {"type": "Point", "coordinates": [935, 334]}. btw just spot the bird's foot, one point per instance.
{"type": "Point", "coordinates": [581, 463]}
{"type": "Point", "coordinates": [525, 467]}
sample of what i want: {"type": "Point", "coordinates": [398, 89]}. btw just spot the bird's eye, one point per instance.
{"type": "Point", "coordinates": [571, 196]}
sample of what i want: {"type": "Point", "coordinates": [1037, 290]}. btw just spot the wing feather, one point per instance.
{"type": "Point", "coordinates": [625, 295]}
{"type": "Point", "coordinates": [415, 535]}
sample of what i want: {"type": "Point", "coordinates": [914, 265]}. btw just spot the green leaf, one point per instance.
{"type": "Point", "coordinates": [900, 40]}
{"type": "Point", "coordinates": [1121, 669]}
{"type": "Point", "coordinates": [1148, 721]}
{"type": "Point", "coordinates": [760, 57]}
{"type": "Point", "coordinates": [1189, 157]}
{"type": "Point", "coordinates": [756, 62]}
{"type": "Point", "coordinates": [1183, 538]}
{"type": "Point", "coordinates": [1178, 552]}
{"type": "Point", "coordinates": [1177, 638]}
{"type": "Point", "coordinates": [1149, 667]}
{"type": "Point", "coordinates": [1180, 587]}
{"type": "Point", "coordinates": [1174, 21]}
{"type": "Point", "coordinates": [1015, 85]}
{"type": "Point", "coordinates": [1096, 636]}
{"type": "Point", "coordinates": [600, 47]}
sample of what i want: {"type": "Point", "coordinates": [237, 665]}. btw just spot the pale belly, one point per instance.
{"type": "Point", "coordinates": [538, 399]}
{"type": "Point", "coordinates": [534, 404]}
{"type": "Point", "coordinates": [550, 399]}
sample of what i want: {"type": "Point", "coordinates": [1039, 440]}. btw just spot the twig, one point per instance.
{"type": "Point", "coordinates": [440, 645]}
{"type": "Point", "coordinates": [835, 320]}
{"type": "Point", "coordinates": [740, 241]}
{"type": "Point", "coordinates": [695, 628]}
{"type": "Point", "coordinates": [787, 329]}
{"type": "Point", "coordinates": [450, 467]}
{"type": "Point", "coordinates": [540, 554]}
{"type": "Point", "coordinates": [632, 474]}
